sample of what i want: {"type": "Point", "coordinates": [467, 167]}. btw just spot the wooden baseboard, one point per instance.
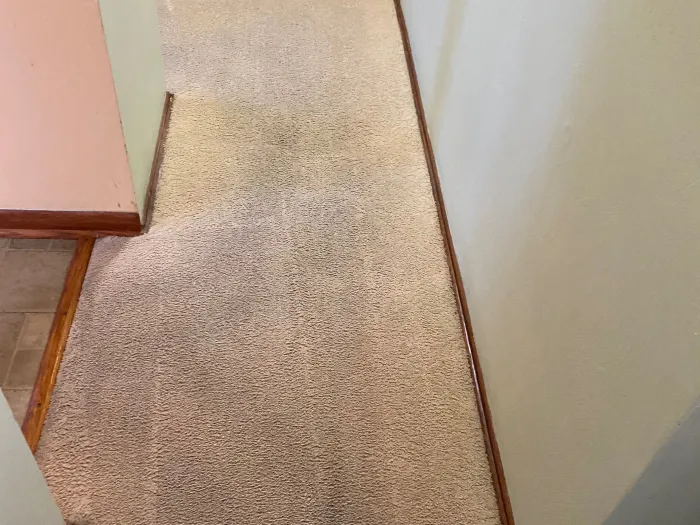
{"type": "Point", "coordinates": [157, 161]}
{"type": "Point", "coordinates": [499, 480]}
{"type": "Point", "coordinates": [58, 337]}
{"type": "Point", "coordinates": [67, 224]}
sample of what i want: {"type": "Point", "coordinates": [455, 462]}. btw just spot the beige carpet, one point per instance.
{"type": "Point", "coordinates": [283, 346]}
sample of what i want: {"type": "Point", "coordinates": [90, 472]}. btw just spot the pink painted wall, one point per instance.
{"type": "Point", "coordinates": [61, 142]}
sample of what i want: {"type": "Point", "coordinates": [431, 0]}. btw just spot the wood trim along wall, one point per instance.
{"type": "Point", "coordinates": [75, 224]}
{"type": "Point", "coordinates": [58, 337]}
{"type": "Point", "coordinates": [499, 480]}
{"type": "Point", "coordinates": [157, 161]}
{"type": "Point", "coordinates": [47, 234]}
{"type": "Point", "coordinates": [62, 224]}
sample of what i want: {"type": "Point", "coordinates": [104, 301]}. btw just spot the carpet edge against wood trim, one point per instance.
{"type": "Point", "coordinates": [492, 449]}
{"type": "Point", "coordinates": [157, 161]}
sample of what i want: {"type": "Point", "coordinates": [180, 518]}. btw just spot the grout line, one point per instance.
{"type": "Point", "coordinates": [33, 250]}
{"type": "Point", "coordinates": [27, 311]}
{"type": "Point", "coordinates": [14, 352]}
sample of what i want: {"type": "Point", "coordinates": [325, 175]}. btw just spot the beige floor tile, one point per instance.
{"type": "Point", "coordinates": [62, 245]}
{"type": "Point", "coordinates": [24, 368]}
{"type": "Point", "coordinates": [29, 244]}
{"type": "Point", "coordinates": [35, 332]}
{"type": "Point", "coordinates": [10, 329]}
{"type": "Point", "coordinates": [4, 241]}
{"type": "Point", "coordinates": [18, 399]}
{"type": "Point", "coordinates": [32, 281]}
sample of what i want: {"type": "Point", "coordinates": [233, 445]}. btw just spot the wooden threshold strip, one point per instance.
{"type": "Point", "coordinates": [58, 337]}
{"type": "Point", "coordinates": [492, 451]}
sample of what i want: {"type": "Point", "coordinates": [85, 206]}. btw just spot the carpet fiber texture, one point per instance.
{"type": "Point", "coordinates": [283, 346]}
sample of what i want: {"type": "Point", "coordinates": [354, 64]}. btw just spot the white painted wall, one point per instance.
{"type": "Point", "coordinates": [24, 497]}
{"type": "Point", "coordinates": [431, 17]}
{"type": "Point", "coordinates": [133, 43]}
{"type": "Point", "coordinates": [568, 147]}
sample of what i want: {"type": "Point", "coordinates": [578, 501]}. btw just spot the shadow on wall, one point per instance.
{"type": "Point", "coordinates": [667, 492]}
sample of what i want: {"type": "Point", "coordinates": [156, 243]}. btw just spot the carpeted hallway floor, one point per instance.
{"type": "Point", "coordinates": [283, 346]}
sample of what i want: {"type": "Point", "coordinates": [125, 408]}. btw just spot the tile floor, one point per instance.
{"type": "Point", "coordinates": [32, 272]}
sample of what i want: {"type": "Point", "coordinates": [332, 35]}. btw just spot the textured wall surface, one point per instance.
{"type": "Point", "coordinates": [61, 144]}
{"type": "Point", "coordinates": [283, 345]}
{"type": "Point", "coordinates": [568, 148]}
